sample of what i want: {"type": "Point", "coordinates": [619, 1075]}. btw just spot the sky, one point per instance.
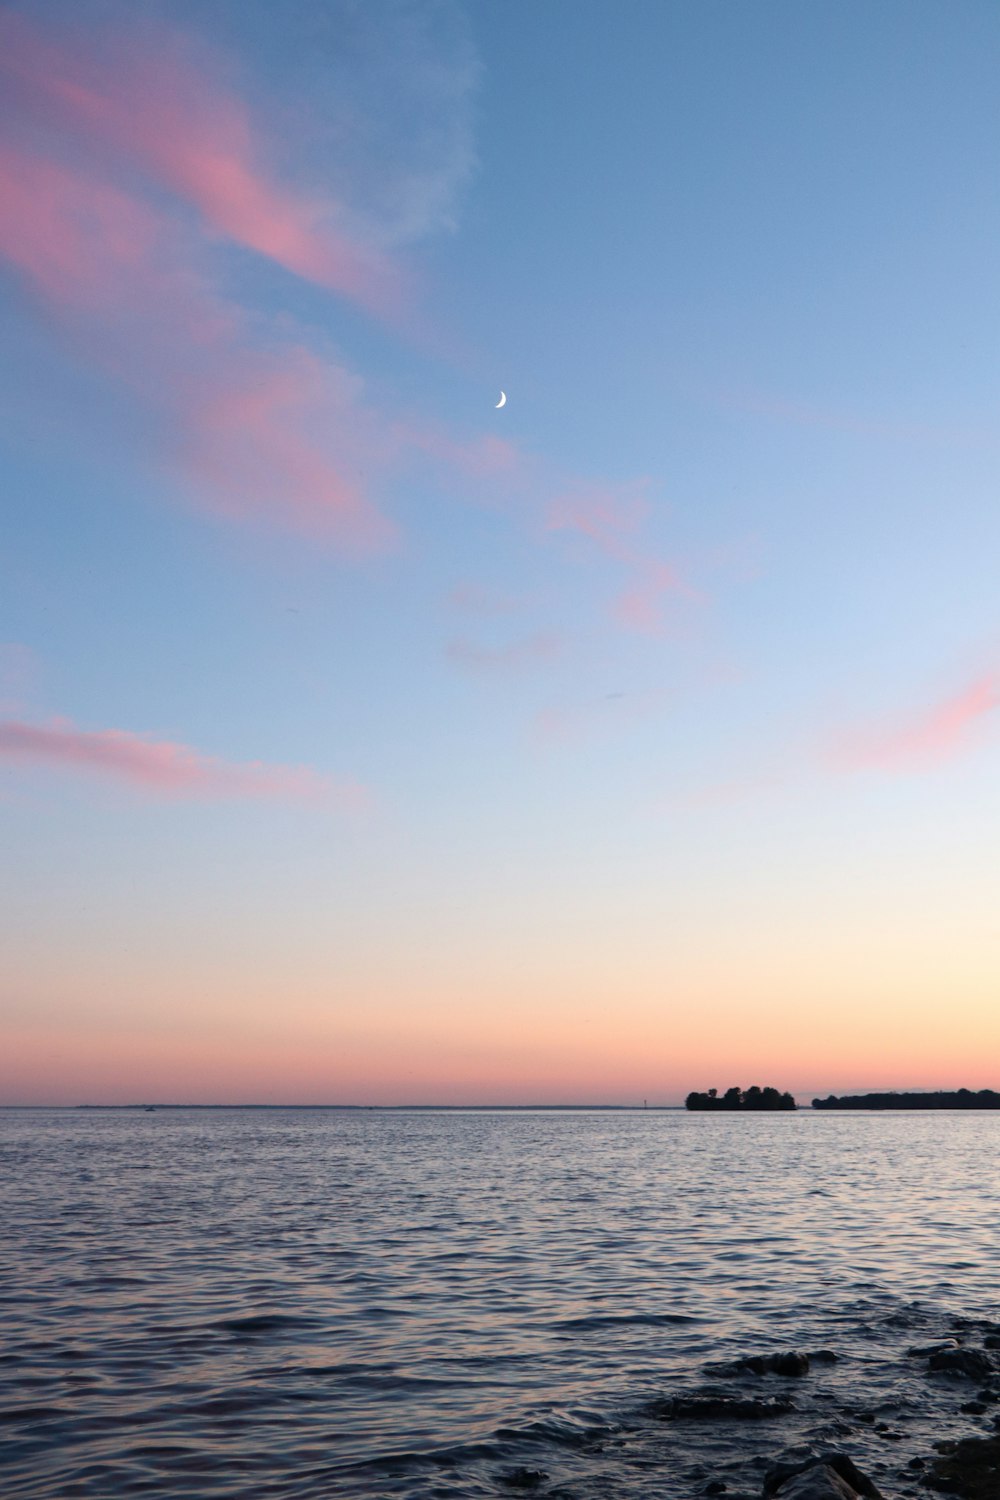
{"type": "Point", "coordinates": [364, 741]}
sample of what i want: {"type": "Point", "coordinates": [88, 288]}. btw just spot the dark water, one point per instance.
{"type": "Point", "coordinates": [327, 1303]}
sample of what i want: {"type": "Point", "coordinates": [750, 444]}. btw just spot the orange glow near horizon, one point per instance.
{"type": "Point", "coordinates": [267, 1048]}
{"type": "Point", "coordinates": [232, 1005]}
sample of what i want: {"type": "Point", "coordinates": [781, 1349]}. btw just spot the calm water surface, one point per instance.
{"type": "Point", "coordinates": [326, 1303]}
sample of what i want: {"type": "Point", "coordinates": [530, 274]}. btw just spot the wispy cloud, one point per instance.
{"type": "Point", "coordinates": [128, 161]}
{"type": "Point", "coordinates": [260, 429]}
{"type": "Point", "coordinates": [511, 656]}
{"type": "Point", "coordinates": [167, 768]}
{"type": "Point", "coordinates": [641, 605]}
{"type": "Point", "coordinates": [934, 735]}
{"type": "Point", "coordinates": [69, 234]}
{"type": "Point", "coordinates": [612, 519]}
{"type": "Point", "coordinates": [156, 106]}
{"type": "Point", "coordinates": [284, 436]}
{"type": "Point", "coordinates": [143, 165]}
{"type": "Point", "coordinates": [907, 744]}
{"type": "Point", "coordinates": [483, 457]}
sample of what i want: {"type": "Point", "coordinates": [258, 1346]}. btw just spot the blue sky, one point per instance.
{"type": "Point", "coordinates": [570, 750]}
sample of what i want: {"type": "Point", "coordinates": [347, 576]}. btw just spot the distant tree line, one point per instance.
{"type": "Point", "coordinates": [734, 1098]}
{"type": "Point", "coordinates": [942, 1099]}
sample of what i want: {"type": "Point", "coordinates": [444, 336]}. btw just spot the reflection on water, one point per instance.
{"type": "Point", "coordinates": [306, 1303]}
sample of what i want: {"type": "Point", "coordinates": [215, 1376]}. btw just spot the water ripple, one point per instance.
{"type": "Point", "coordinates": [298, 1304]}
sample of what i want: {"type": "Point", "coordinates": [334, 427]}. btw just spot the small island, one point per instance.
{"type": "Point", "coordinates": [941, 1099]}
{"type": "Point", "coordinates": [753, 1098]}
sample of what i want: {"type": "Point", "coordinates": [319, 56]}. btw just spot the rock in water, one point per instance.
{"type": "Point", "coordinates": [972, 1364]}
{"type": "Point", "coordinates": [711, 1407]}
{"type": "Point", "coordinates": [818, 1482]}
{"type": "Point", "coordinates": [787, 1363]}
{"type": "Point", "coordinates": [971, 1470]}
{"type": "Point", "coordinates": [831, 1476]}
{"type": "Point", "coordinates": [523, 1479]}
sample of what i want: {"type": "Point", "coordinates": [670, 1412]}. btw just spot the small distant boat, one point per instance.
{"type": "Point", "coordinates": [150, 1109]}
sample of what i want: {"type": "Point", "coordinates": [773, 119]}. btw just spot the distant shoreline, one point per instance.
{"type": "Point", "coordinates": [938, 1099]}
{"type": "Point", "coordinates": [983, 1100]}
{"type": "Point", "coordinates": [639, 1109]}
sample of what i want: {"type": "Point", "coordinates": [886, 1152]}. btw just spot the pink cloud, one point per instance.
{"type": "Point", "coordinates": [270, 434]}
{"type": "Point", "coordinates": [514, 655]}
{"type": "Point", "coordinates": [475, 458]}
{"type": "Point", "coordinates": [607, 516]}
{"type": "Point", "coordinates": [266, 429]}
{"type": "Point", "coordinates": [170, 769]}
{"type": "Point", "coordinates": [557, 726]}
{"type": "Point", "coordinates": [937, 735]}
{"type": "Point", "coordinates": [70, 235]}
{"type": "Point", "coordinates": [611, 519]}
{"type": "Point", "coordinates": [640, 605]}
{"type": "Point", "coordinates": [157, 107]}
{"type": "Point", "coordinates": [259, 440]}
{"type": "Point", "coordinates": [127, 156]}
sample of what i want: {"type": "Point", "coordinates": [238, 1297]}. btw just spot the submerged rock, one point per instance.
{"type": "Point", "coordinates": [970, 1364]}
{"type": "Point", "coordinates": [818, 1482]}
{"type": "Point", "coordinates": [524, 1479]}
{"type": "Point", "coordinates": [788, 1362]}
{"type": "Point", "coordinates": [713, 1407]}
{"type": "Point", "coordinates": [830, 1476]}
{"type": "Point", "coordinates": [971, 1469]}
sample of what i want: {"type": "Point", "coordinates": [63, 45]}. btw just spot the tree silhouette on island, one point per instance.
{"type": "Point", "coordinates": [941, 1099]}
{"type": "Point", "coordinates": [753, 1098]}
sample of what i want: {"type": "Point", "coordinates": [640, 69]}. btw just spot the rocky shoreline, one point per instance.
{"type": "Point", "coordinates": [969, 1358]}
{"type": "Point", "coordinates": [792, 1424]}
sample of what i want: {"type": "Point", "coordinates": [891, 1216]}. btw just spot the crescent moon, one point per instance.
{"type": "Point", "coordinates": [502, 401]}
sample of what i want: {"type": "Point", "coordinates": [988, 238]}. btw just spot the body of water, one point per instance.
{"type": "Point", "coordinates": [310, 1303]}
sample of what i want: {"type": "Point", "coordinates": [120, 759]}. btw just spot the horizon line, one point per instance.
{"type": "Point", "coordinates": [154, 1104]}
{"type": "Point", "coordinates": [644, 1107]}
